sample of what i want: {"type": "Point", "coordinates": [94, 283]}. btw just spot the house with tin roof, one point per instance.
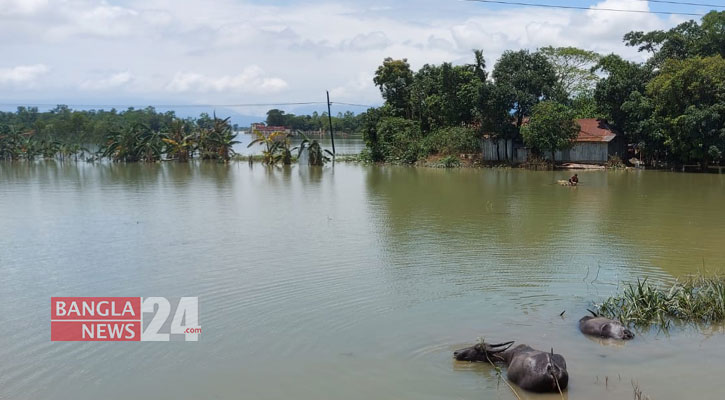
{"type": "Point", "coordinates": [597, 141]}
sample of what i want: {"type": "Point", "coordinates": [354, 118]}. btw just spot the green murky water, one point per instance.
{"type": "Point", "coordinates": [355, 282]}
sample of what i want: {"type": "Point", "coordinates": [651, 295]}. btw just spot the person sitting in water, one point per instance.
{"type": "Point", "coordinates": [574, 180]}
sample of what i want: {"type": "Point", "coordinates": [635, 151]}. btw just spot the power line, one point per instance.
{"type": "Point", "coordinates": [352, 104]}
{"type": "Point", "coordinates": [516, 3]}
{"type": "Point", "coordinates": [684, 3]}
{"type": "Point", "coordinates": [163, 105]}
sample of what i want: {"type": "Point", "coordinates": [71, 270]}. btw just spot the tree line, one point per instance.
{"type": "Point", "coordinates": [671, 108]}
{"type": "Point", "coordinates": [128, 136]}
{"type": "Point", "coordinates": [138, 134]}
{"type": "Point", "coordinates": [347, 122]}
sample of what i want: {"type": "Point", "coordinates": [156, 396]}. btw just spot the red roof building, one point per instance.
{"type": "Point", "coordinates": [596, 143]}
{"type": "Point", "coordinates": [595, 130]}
{"type": "Point", "coordinates": [270, 128]}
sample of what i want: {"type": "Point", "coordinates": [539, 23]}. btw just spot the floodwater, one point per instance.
{"type": "Point", "coordinates": [352, 282]}
{"type": "Point", "coordinates": [344, 143]}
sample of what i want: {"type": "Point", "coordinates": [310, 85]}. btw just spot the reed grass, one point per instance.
{"type": "Point", "coordinates": [698, 299]}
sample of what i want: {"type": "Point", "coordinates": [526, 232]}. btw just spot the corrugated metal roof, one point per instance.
{"type": "Point", "coordinates": [594, 130]}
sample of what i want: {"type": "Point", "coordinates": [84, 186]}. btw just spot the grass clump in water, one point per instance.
{"type": "Point", "coordinates": [698, 299]}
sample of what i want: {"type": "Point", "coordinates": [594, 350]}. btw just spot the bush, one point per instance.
{"type": "Point", "coordinates": [449, 162]}
{"type": "Point", "coordinates": [399, 140]}
{"type": "Point", "coordinates": [453, 140]}
{"type": "Point", "coordinates": [615, 162]}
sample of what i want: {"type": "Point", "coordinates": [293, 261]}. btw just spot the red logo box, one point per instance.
{"type": "Point", "coordinates": [95, 319]}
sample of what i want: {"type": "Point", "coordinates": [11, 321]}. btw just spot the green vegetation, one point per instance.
{"type": "Point", "coordinates": [276, 147]}
{"type": "Point", "coordinates": [452, 140]}
{"type": "Point", "coordinates": [698, 299]}
{"type": "Point", "coordinates": [316, 155]}
{"type": "Point", "coordinates": [63, 125]}
{"type": "Point", "coordinates": [130, 137]}
{"type": "Point", "coordinates": [671, 108]}
{"type": "Point", "coordinates": [347, 122]}
{"type": "Point", "coordinates": [449, 162]}
{"type": "Point", "coordinates": [552, 128]}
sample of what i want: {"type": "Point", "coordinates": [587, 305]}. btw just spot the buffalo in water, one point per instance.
{"type": "Point", "coordinates": [530, 369]}
{"type": "Point", "coordinates": [604, 327]}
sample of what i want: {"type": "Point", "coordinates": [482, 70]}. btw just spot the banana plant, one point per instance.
{"type": "Point", "coordinates": [218, 141]}
{"type": "Point", "coordinates": [180, 144]}
{"type": "Point", "coordinates": [276, 147]}
{"type": "Point", "coordinates": [316, 155]}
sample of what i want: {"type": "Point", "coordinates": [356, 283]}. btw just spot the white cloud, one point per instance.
{"type": "Point", "coordinates": [114, 81]}
{"type": "Point", "coordinates": [370, 41]}
{"type": "Point", "coordinates": [21, 7]}
{"type": "Point", "coordinates": [251, 80]}
{"type": "Point", "coordinates": [22, 74]}
{"type": "Point", "coordinates": [186, 52]}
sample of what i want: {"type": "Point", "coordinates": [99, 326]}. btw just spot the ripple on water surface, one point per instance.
{"type": "Point", "coordinates": [352, 282]}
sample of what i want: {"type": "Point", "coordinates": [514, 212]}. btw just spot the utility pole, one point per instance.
{"type": "Point", "coordinates": [329, 117]}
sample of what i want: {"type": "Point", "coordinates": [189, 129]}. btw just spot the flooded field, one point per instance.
{"type": "Point", "coordinates": [352, 282]}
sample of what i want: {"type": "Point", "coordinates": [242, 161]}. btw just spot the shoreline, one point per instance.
{"type": "Point", "coordinates": [435, 162]}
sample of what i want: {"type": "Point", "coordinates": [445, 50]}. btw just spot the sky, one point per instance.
{"type": "Point", "coordinates": [139, 52]}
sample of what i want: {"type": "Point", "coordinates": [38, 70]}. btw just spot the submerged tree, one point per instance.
{"type": "Point", "coordinates": [217, 141]}
{"type": "Point", "coordinates": [276, 147]}
{"type": "Point", "coordinates": [134, 143]}
{"type": "Point", "coordinates": [180, 142]}
{"type": "Point", "coordinates": [315, 154]}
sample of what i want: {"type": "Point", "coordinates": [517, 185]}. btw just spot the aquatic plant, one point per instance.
{"type": "Point", "coordinates": [698, 299]}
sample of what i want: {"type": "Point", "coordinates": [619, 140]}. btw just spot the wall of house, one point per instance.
{"type": "Point", "coordinates": [590, 152]}
{"type": "Point", "coordinates": [586, 152]}
{"type": "Point", "coordinates": [506, 148]}
{"type": "Point", "coordinates": [488, 146]}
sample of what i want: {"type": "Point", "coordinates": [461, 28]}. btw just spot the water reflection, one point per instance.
{"type": "Point", "coordinates": [349, 281]}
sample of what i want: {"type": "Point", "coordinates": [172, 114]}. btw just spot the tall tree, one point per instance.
{"type": "Point", "coordinates": [689, 99]}
{"type": "Point", "coordinates": [525, 79]}
{"type": "Point", "coordinates": [529, 76]}
{"type": "Point", "coordinates": [276, 117]}
{"type": "Point", "coordinates": [622, 79]}
{"type": "Point", "coordinates": [688, 39]}
{"type": "Point", "coordinates": [394, 78]}
{"type": "Point", "coordinates": [573, 67]}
